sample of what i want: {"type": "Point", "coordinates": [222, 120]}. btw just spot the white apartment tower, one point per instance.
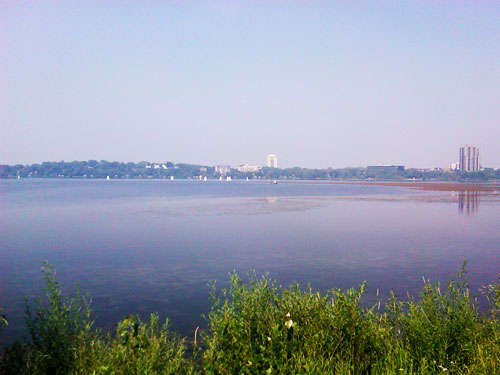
{"type": "Point", "coordinates": [272, 161]}
{"type": "Point", "coordinates": [469, 158]}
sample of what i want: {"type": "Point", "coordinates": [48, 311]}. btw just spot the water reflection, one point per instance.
{"type": "Point", "coordinates": [468, 202]}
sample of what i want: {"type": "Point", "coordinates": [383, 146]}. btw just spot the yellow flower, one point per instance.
{"type": "Point", "coordinates": [289, 323]}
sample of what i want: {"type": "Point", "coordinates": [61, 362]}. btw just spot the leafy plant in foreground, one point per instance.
{"type": "Point", "coordinates": [442, 330]}
{"type": "Point", "coordinates": [56, 327]}
{"type": "Point", "coordinates": [138, 348]}
{"type": "Point", "coordinates": [255, 329]}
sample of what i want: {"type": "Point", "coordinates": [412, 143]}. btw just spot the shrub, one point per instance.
{"type": "Point", "coordinates": [137, 348]}
{"type": "Point", "coordinates": [442, 330]}
{"type": "Point", "coordinates": [56, 327]}
{"type": "Point", "coordinates": [255, 329]}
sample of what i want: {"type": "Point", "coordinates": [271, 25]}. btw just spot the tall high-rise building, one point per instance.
{"type": "Point", "coordinates": [469, 158]}
{"type": "Point", "coordinates": [272, 161]}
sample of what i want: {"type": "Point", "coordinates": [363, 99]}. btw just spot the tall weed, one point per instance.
{"type": "Point", "coordinates": [55, 327]}
{"type": "Point", "coordinates": [256, 329]}
{"type": "Point", "coordinates": [137, 348]}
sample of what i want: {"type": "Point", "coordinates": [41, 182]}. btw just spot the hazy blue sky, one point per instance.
{"type": "Point", "coordinates": [319, 83]}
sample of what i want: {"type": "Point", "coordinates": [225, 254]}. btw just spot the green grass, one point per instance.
{"type": "Point", "coordinates": [258, 328]}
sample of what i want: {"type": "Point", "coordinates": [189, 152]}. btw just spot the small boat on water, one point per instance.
{"type": "Point", "coordinates": [274, 182]}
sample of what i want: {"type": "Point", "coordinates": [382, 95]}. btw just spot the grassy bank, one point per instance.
{"type": "Point", "coordinates": [258, 328]}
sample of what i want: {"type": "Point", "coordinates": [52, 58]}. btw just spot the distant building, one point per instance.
{"type": "Point", "coordinates": [272, 161]}
{"type": "Point", "coordinates": [469, 158]}
{"type": "Point", "coordinates": [454, 166]}
{"type": "Point", "coordinates": [222, 169]}
{"type": "Point", "coordinates": [395, 168]}
{"type": "Point", "coordinates": [249, 168]}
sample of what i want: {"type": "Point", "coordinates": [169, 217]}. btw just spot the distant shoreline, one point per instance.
{"type": "Point", "coordinates": [147, 170]}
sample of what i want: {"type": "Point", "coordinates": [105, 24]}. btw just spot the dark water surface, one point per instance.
{"type": "Point", "coordinates": [152, 246]}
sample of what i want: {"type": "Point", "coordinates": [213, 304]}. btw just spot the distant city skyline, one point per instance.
{"type": "Point", "coordinates": [469, 161]}
{"type": "Point", "coordinates": [320, 84]}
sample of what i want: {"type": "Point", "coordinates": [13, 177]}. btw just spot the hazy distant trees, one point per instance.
{"type": "Point", "coordinates": [145, 169]}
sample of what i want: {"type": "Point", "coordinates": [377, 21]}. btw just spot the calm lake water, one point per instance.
{"type": "Point", "coordinates": [152, 246]}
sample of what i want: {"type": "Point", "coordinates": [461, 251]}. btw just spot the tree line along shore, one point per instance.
{"type": "Point", "coordinates": [104, 169]}
{"type": "Point", "coordinates": [256, 327]}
